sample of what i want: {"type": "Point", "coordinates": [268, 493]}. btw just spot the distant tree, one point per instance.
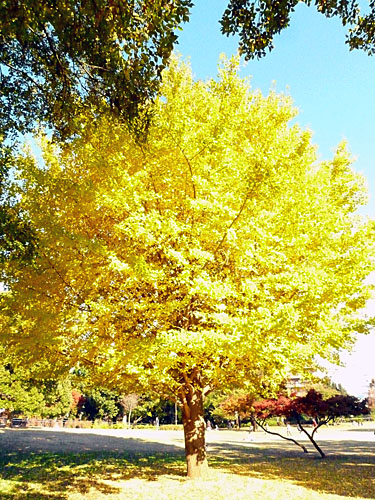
{"type": "Point", "coordinates": [150, 406]}
{"type": "Point", "coordinates": [312, 405]}
{"type": "Point", "coordinates": [236, 406]}
{"type": "Point", "coordinates": [57, 397]}
{"type": "Point", "coordinates": [18, 396]}
{"type": "Point", "coordinates": [371, 395]}
{"type": "Point", "coordinates": [128, 403]}
{"type": "Point", "coordinates": [327, 388]}
{"type": "Point", "coordinates": [213, 407]}
{"type": "Point", "coordinates": [22, 393]}
{"type": "Point", "coordinates": [100, 403]}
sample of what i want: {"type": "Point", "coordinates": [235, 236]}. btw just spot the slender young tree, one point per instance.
{"type": "Point", "coordinates": [311, 405]}
{"type": "Point", "coordinates": [217, 254]}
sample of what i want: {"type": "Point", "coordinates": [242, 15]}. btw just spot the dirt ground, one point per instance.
{"type": "Point", "coordinates": [336, 441]}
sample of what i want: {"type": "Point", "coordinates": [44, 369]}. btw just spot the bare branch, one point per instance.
{"type": "Point", "coordinates": [280, 435]}
{"type": "Point", "coordinates": [24, 74]}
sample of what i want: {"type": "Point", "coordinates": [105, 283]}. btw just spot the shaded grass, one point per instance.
{"type": "Point", "coordinates": [348, 469]}
{"type": "Point", "coordinates": [97, 476]}
{"type": "Point", "coordinates": [53, 475]}
{"type": "Point", "coordinates": [141, 468]}
{"type": "Point", "coordinates": [352, 477]}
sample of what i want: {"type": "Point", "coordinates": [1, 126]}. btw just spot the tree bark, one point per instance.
{"type": "Point", "coordinates": [194, 432]}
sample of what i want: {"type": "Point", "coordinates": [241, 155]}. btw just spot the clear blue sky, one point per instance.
{"type": "Point", "coordinates": [334, 91]}
{"type": "Point", "coordinates": [332, 87]}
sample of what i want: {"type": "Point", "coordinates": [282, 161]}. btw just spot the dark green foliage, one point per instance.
{"type": "Point", "coordinates": [104, 404]}
{"type": "Point", "coordinates": [150, 407]}
{"type": "Point", "coordinates": [64, 59]}
{"type": "Point", "coordinates": [22, 394]}
{"type": "Point", "coordinates": [100, 403]}
{"type": "Point", "coordinates": [257, 22]}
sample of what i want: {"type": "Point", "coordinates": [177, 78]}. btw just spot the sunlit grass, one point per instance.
{"type": "Point", "coordinates": [95, 476]}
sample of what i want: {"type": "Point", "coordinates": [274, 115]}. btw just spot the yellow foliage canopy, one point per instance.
{"type": "Point", "coordinates": [218, 253]}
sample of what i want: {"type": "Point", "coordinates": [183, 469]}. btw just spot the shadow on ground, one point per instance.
{"type": "Point", "coordinates": [52, 475]}
{"type": "Point", "coordinates": [348, 470]}
{"type": "Point", "coordinates": [71, 441]}
{"type": "Point", "coordinates": [28, 471]}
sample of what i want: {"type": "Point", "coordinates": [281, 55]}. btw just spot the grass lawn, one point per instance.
{"type": "Point", "coordinates": [255, 471]}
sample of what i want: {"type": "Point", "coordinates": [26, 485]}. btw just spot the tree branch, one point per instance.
{"type": "Point", "coordinates": [68, 285]}
{"type": "Point", "coordinates": [311, 438]}
{"type": "Point", "coordinates": [188, 383]}
{"type": "Point", "coordinates": [184, 403]}
{"type": "Point", "coordinates": [280, 435]}
{"type": "Point", "coordinates": [24, 74]}
{"type": "Point", "coordinates": [242, 208]}
{"type": "Point", "coordinates": [190, 170]}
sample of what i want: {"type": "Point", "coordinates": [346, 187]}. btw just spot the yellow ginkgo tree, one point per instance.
{"type": "Point", "coordinates": [217, 254]}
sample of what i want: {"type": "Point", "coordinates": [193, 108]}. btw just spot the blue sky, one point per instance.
{"type": "Point", "coordinates": [332, 87]}
{"type": "Point", "coordinates": [334, 91]}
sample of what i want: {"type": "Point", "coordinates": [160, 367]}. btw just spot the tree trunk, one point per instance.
{"type": "Point", "coordinates": [280, 435]}
{"type": "Point", "coordinates": [311, 437]}
{"type": "Point", "coordinates": [315, 444]}
{"type": "Point", "coordinates": [194, 432]}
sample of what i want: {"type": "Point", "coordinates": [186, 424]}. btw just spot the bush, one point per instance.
{"type": "Point", "coordinates": [78, 424]}
{"type": "Point", "coordinates": [172, 427]}
{"type": "Point", "coordinates": [162, 427]}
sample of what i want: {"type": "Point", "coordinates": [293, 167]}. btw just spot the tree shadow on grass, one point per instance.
{"type": "Point", "coordinates": [53, 475]}
{"type": "Point", "coordinates": [348, 470]}
{"type": "Point", "coordinates": [28, 471]}
{"type": "Point", "coordinates": [70, 441]}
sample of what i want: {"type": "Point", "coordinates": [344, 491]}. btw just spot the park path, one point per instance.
{"type": "Point", "coordinates": [334, 441]}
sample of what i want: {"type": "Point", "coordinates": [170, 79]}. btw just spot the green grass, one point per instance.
{"type": "Point", "coordinates": [106, 476]}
